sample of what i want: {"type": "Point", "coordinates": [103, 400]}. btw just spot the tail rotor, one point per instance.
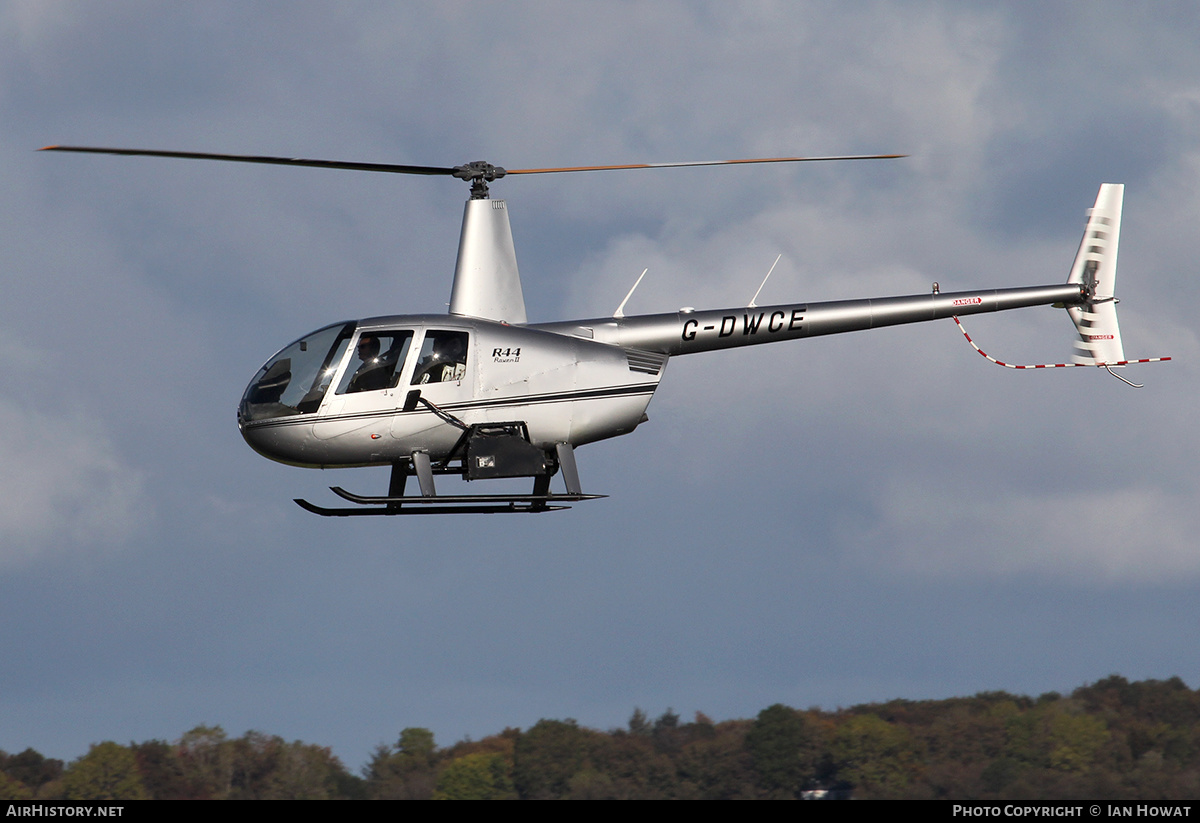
{"type": "Point", "coordinates": [1095, 270]}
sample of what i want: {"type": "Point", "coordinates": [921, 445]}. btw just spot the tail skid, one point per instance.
{"type": "Point", "coordinates": [1095, 268]}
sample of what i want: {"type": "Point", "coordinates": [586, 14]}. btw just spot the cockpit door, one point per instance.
{"type": "Point", "coordinates": [443, 374]}
{"type": "Point", "coordinates": [370, 384]}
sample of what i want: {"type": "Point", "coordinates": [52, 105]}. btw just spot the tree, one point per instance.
{"type": "Point", "coordinates": [405, 771]}
{"type": "Point", "coordinates": [31, 769]}
{"type": "Point", "coordinates": [416, 745]}
{"type": "Point", "coordinates": [785, 751]}
{"type": "Point", "coordinates": [162, 772]}
{"type": "Point", "coordinates": [666, 734]}
{"type": "Point", "coordinates": [107, 772]}
{"type": "Point", "coordinates": [1074, 741]}
{"type": "Point", "coordinates": [547, 757]}
{"type": "Point", "coordinates": [479, 776]}
{"type": "Point", "coordinates": [269, 768]}
{"type": "Point", "coordinates": [207, 760]}
{"type": "Point", "coordinates": [13, 789]}
{"type": "Point", "coordinates": [874, 756]}
{"type": "Point", "coordinates": [638, 723]}
{"type": "Point", "coordinates": [719, 767]}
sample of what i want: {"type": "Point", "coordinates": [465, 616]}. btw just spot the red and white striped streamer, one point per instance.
{"type": "Point", "coordinates": [1052, 365]}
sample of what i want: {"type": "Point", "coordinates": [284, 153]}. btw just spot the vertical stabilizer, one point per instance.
{"type": "Point", "coordinates": [1096, 267]}
{"type": "Point", "coordinates": [486, 281]}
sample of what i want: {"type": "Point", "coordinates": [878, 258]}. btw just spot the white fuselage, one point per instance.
{"type": "Point", "coordinates": [566, 389]}
{"type": "Point", "coordinates": [572, 382]}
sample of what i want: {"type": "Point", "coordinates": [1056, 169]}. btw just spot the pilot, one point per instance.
{"type": "Point", "coordinates": [372, 375]}
{"type": "Point", "coordinates": [446, 363]}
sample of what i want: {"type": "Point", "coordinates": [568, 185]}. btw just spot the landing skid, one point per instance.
{"type": "Point", "coordinates": [446, 504]}
{"type": "Point", "coordinates": [395, 502]}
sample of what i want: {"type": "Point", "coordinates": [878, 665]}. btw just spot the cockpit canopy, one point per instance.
{"type": "Point", "coordinates": [295, 380]}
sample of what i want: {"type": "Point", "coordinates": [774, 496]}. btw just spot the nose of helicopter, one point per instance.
{"type": "Point", "coordinates": [278, 432]}
{"type": "Point", "coordinates": [282, 443]}
{"type": "Point", "coordinates": [279, 404]}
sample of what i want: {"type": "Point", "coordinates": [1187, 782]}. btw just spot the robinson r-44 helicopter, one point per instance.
{"type": "Point", "coordinates": [481, 393]}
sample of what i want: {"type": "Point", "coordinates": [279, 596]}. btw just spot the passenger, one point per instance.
{"type": "Point", "coordinates": [446, 363]}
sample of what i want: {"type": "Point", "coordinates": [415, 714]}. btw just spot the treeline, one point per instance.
{"type": "Point", "coordinates": [1112, 739]}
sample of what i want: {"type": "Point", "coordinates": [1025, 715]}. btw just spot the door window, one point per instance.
{"type": "Point", "coordinates": [443, 358]}
{"type": "Point", "coordinates": [376, 362]}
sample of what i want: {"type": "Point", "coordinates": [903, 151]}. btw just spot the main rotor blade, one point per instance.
{"type": "Point", "coordinates": [708, 163]}
{"type": "Point", "coordinates": [478, 171]}
{"type": "Point", "coordinates": [274, 161]}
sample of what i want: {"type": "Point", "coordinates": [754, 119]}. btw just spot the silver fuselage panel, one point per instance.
{"type": "Point", "coordinates": [565, 389]}
{"type": "Point", "coordinates": [690, 332]}
{"type": "Point", "coordinates": [487, 282]}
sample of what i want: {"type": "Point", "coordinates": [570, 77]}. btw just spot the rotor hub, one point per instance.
{"type": "Point", "coordinates": [480, 173]}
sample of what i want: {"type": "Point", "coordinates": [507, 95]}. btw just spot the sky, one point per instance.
{"type": "Point", "coordinates": [827, 522]}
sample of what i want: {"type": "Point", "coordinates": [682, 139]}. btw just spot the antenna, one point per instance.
{"type": "Point", "coordinates": [620, 312]}
{"type": "Point", "coordinates": [754, 305]}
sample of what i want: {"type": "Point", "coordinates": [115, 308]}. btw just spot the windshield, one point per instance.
{"type": "Point", "coordinates": [295, 380]}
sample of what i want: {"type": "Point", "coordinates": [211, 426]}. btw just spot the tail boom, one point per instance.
{"type": "Point", "coordinates": [690, 332]}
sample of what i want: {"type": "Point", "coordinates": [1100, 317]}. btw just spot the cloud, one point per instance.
{"type": "Point", "coordinates": [63, 486]}
{"type": "Point", "coordinates": [1110, 536]}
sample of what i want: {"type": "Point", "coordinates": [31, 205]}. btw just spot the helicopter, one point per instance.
{"type": "Point", "coordinates": [482, 394]}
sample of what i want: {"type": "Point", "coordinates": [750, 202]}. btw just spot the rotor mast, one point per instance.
{"type": "Point", "coordinates": [487, 283]}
